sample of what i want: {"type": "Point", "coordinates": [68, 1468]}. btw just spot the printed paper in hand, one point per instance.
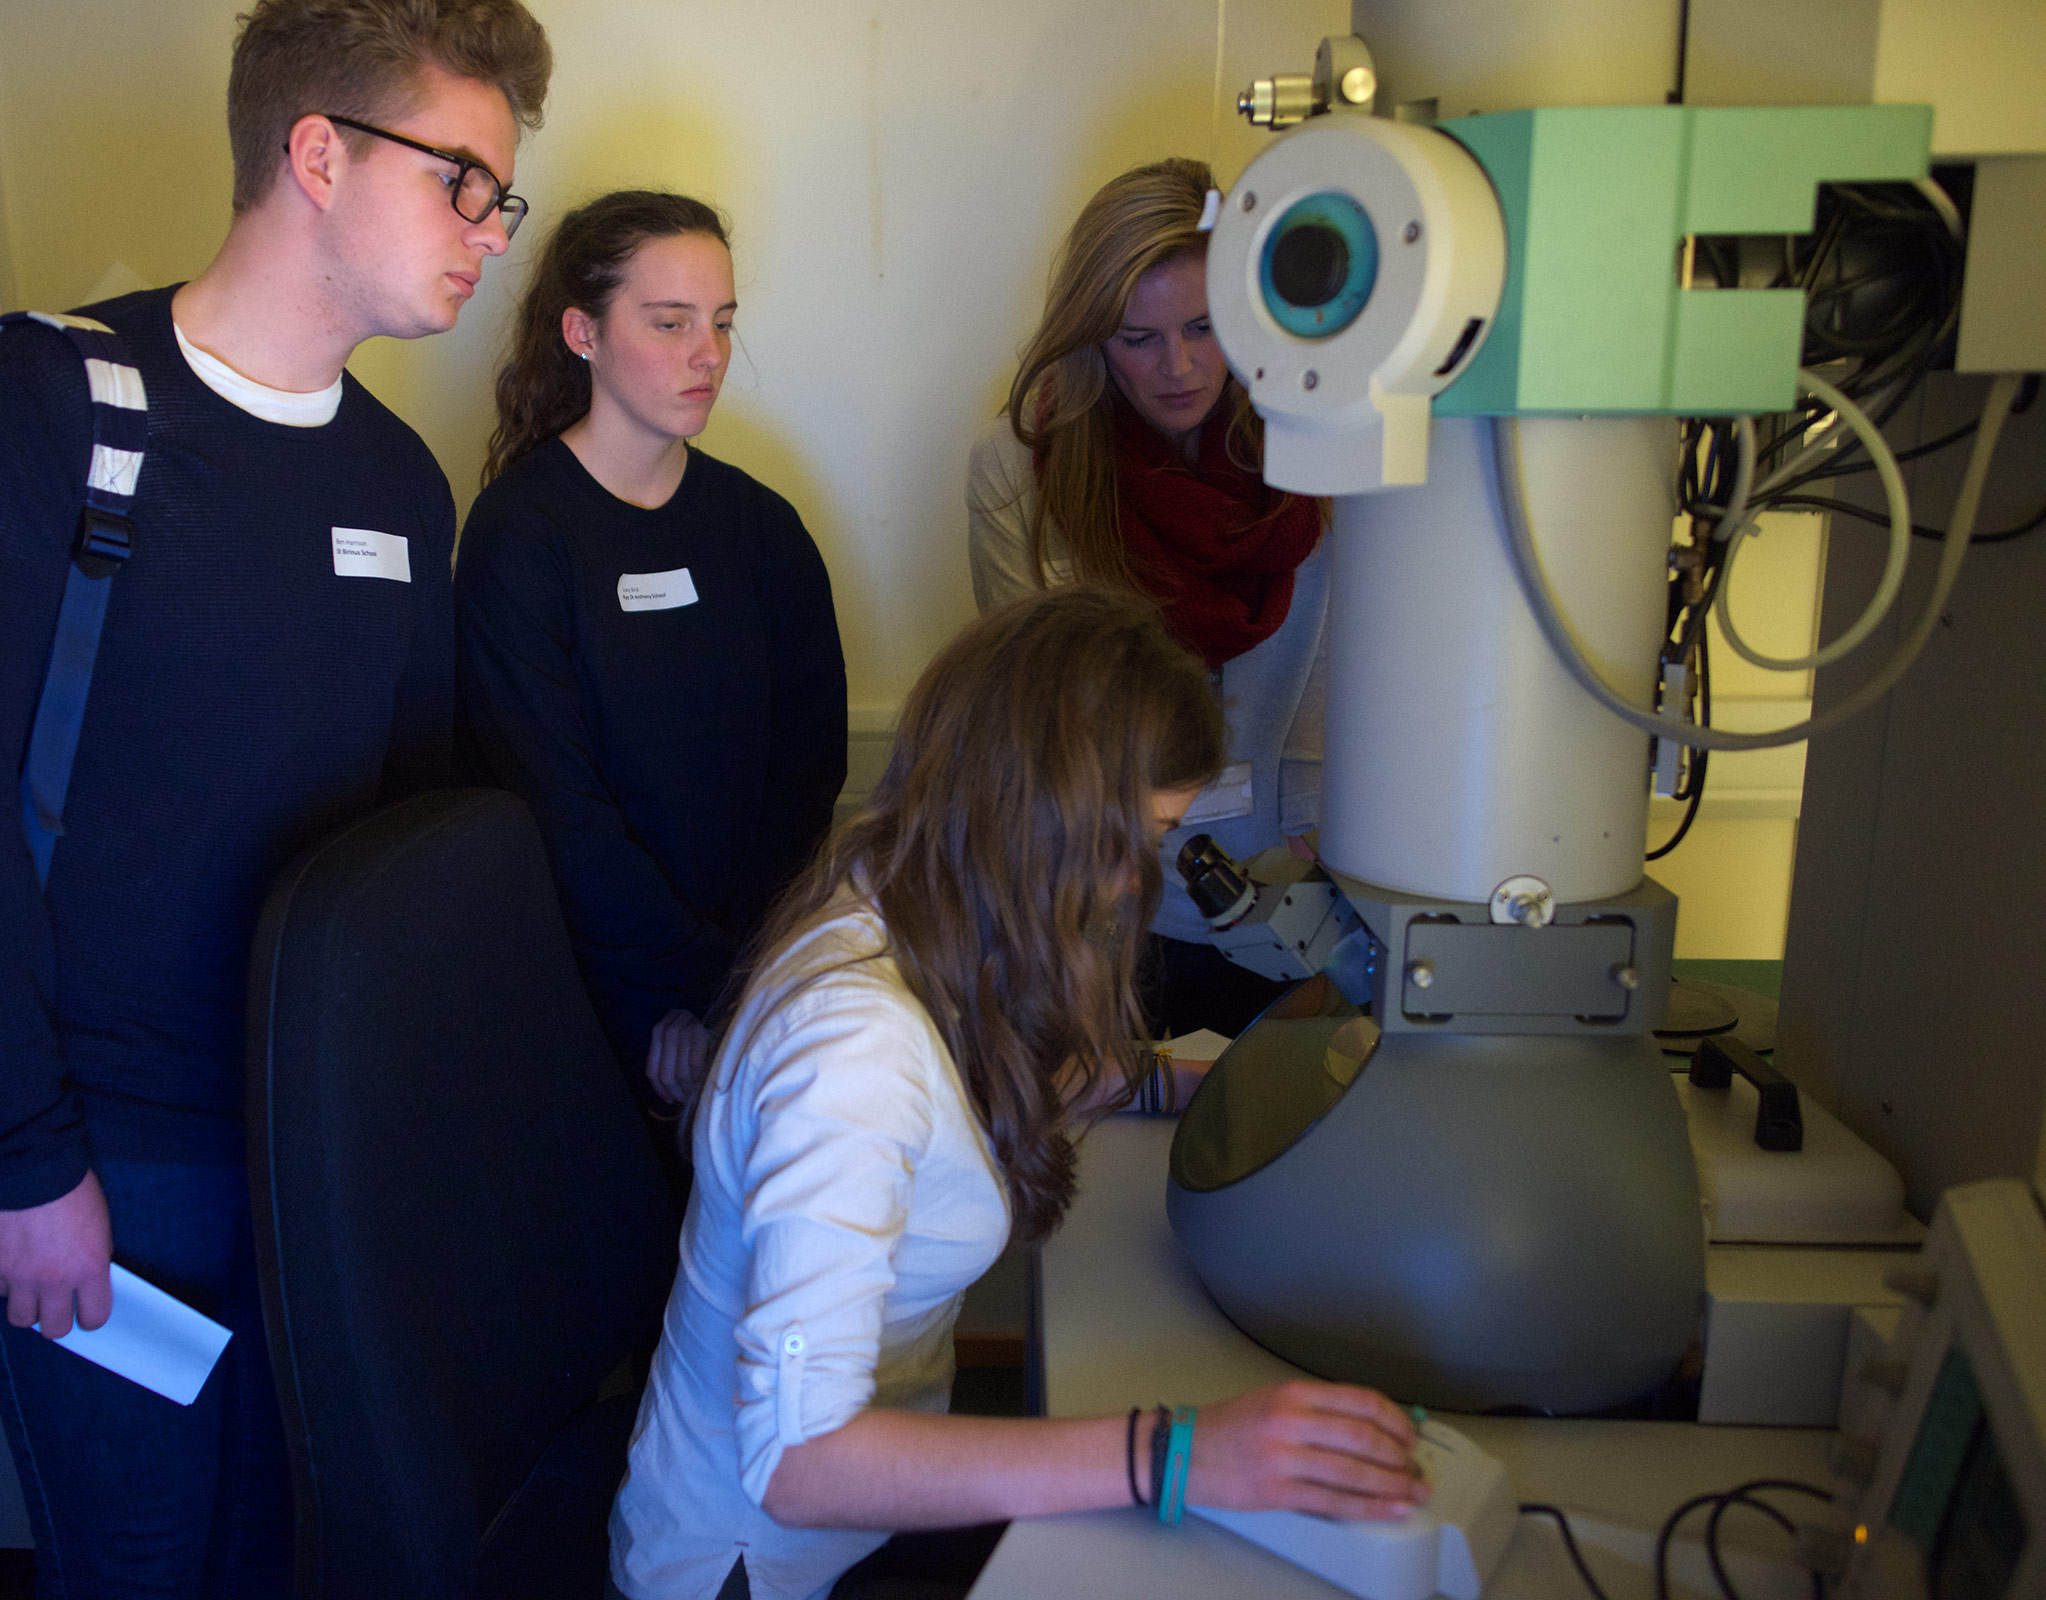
{"type": "Point", "coordinates": [152, 1339]}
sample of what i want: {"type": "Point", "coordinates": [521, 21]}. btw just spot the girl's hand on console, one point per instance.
{"type": "Point", "coordinates": [1327, 1448]}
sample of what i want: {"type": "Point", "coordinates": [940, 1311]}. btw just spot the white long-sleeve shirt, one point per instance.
{"type": "Point", "coordinates": [845, 1197]}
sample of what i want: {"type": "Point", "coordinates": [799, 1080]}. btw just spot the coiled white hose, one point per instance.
{"type": "Point", "coordinates": [1570, 651]}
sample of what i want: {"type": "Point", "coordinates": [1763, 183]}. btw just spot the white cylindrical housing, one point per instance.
{"type": "Point", "coordinates": [1459, 752]}
{"type": "Point", "coordinates": [1347, 411]}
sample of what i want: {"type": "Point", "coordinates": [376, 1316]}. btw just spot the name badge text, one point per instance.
{"type": "Point", "coordinates": [655, 591]}
{"type": "Point", "coordinates": [365, 553]}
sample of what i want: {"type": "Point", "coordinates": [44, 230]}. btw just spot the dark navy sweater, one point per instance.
{"type": "Point", "coordinates": [247, 700]}
{"type": "Point", "coordinates": [681, 758]}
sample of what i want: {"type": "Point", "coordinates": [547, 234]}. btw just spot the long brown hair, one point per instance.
{"type": "Point", "coordinates": [544, 386]}
{"type": "Point", "coordinates": [1062, 404]}
{"type": "Point", "coordinates": [999, 848]}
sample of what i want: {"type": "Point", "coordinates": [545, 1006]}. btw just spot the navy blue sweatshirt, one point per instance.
{"type": "Point", "coordinates": [247, 700]}
{"type": "Point", "coordinates": [665, 689]}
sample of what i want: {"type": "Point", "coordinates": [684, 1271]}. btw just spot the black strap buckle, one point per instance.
{"type": "Point", "coordinates": [105, 541]}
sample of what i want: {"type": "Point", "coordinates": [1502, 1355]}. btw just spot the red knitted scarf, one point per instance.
{"type": "Point", "coordinates": [1208, 540]}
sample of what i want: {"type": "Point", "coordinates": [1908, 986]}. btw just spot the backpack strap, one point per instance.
{"type": "Point", "coordinates": [104, 541]}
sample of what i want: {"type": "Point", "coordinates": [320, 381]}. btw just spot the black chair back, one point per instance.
{"type": "Point", "coordinates": [462, 1233]}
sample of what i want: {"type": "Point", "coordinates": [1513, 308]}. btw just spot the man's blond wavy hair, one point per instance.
{"type": "Point", "coordinates": [360, 58]}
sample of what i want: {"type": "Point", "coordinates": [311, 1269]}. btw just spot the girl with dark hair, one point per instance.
{"type": "Point", "coordinates": [1129, 456]}
{"type": "Point", "coordinates": [647, 651]}
{"type": "Point", "coordinates": [935, 1005]}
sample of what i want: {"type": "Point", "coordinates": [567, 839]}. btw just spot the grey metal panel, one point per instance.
{"type": "Point", "coordinates": [1510, 971]}
{"type": "Point", "coordinates": [1764, 53]}
{"type": "Point", "coordinates": [2003, 308]}
{"type": "Point", "coordinates": [1648, 910]}
{"type": "Point", "coordinates": [1914, 988]}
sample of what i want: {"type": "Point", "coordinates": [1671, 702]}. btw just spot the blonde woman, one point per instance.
{"type": "Point", "coordinates": [1129, 457]}
{"type": "Point", "coordinates": [893, 1102]}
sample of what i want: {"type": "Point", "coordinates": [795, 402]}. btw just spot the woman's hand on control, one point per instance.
{"type": "Point", "coordinates": [678, 1056]}
{"type": "Point", "coordinates": [1330, 1449]}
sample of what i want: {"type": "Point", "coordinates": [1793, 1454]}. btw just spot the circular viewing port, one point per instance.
{"type": "Point", "coordinates": [1320, 265]}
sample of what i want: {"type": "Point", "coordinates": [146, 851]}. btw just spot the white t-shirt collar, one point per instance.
{"type": "Point", "coordinates": [293, 409]}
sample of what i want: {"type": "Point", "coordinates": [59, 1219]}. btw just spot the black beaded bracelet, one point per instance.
{"type": "Point", "coordinates": [1129, 1456]}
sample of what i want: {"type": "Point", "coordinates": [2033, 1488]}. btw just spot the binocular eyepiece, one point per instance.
{"type": "Point", "coordinates": [1221, 889]}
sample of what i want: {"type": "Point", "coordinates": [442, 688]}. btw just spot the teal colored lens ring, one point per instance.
{"type": "Point", "coordinates": [1349, 222]}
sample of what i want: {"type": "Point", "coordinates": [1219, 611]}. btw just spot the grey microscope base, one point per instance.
{"type": "Point", "coordinates": [1478, 1222]}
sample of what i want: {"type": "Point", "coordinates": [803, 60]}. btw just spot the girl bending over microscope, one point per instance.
{"type": "Point", "coordinates": [896, 1097]}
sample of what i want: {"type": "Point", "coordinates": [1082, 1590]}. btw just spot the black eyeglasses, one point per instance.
{"type": "Point", "coordinates": [474, 194]}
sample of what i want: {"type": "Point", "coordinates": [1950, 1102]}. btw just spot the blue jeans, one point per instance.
{"type": "Point", "coordinates": [131, 1495]}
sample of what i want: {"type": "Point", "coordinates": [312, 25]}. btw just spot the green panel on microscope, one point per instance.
{"type": "Point", "coordinates": [1597, 202]}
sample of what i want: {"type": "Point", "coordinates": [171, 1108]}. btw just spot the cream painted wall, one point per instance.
{"type": "Point", "coordinates": [1732, 871]}
{"type": "Point", "coordinates": [7, 300]}
{"type": "Point", "coordinates": [897, 175]}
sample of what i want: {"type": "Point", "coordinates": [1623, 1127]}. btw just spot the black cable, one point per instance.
{"type": "Point", "coordinates": [1895, 239]}
{"type": "Point", "coordinates": [1687, 463]}
{"type": "Point", "coordinates": [1944, 441]}
{"type": "Point", "coordinates": [1704, 504]}
{"type": "Point", "coordinates": [1881, 277]}
{"type": "Point", "coordinates": [1740, 1493]}
{"type": "Point", "coordinates": [1692, 789]}
{"type": "Point", "coordinates": [1903, 326]}
{"type": "Point", "coordinates": [1686, 629]}
{"type": "Point", "coordinates": [1692, 782]}
{"type": "Point", "coordinates": [1535, 1509]}
{"type": "Point", "coordinates": [1815, 502]}
{"type": "Point", "coordinates": [1912, 360]}
{"type": "Point", "coordinates": [1716, 455]}
{"type": "Point", "coordinates": [1713, 575]}
{"type": "Point", "coordinates": [1797, 422]}
{"type": "Point", "coordinates": [1662, 1539]}
{"type": "Point", "coordinates": [1696, 780]}
{"type": "Point", "coordinates": [1693, 786]}
{"type": "Point", "coordinates": [1712, 1556]}
{"type": "Point", "coordinates": [1684, 616]}
{"type": "Point", "coordinates": [1869, 381]}
{"type": "Point", "coordinates": [1844, 461]}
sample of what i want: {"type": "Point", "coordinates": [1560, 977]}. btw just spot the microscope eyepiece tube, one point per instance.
{"type": "Point", "coordinates": [1220, 888]}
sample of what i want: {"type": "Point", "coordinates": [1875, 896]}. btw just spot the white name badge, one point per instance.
{"type": "Point", "coordinates": [365, 553]}
{"type": "Point", "coordinates": [1228, 796]}
{"type": "Point", "coordinates": [655, 591]}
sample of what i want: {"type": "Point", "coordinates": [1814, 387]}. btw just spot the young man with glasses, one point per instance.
{"type": "Point", "coordinates": [276, 657]}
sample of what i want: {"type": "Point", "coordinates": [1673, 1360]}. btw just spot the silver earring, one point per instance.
{"type": "Point", "coordinates": [586, 355]}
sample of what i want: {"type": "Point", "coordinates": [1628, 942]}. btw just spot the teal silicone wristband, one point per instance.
{"type": "Point", "coordinates": [1178, 1460]}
